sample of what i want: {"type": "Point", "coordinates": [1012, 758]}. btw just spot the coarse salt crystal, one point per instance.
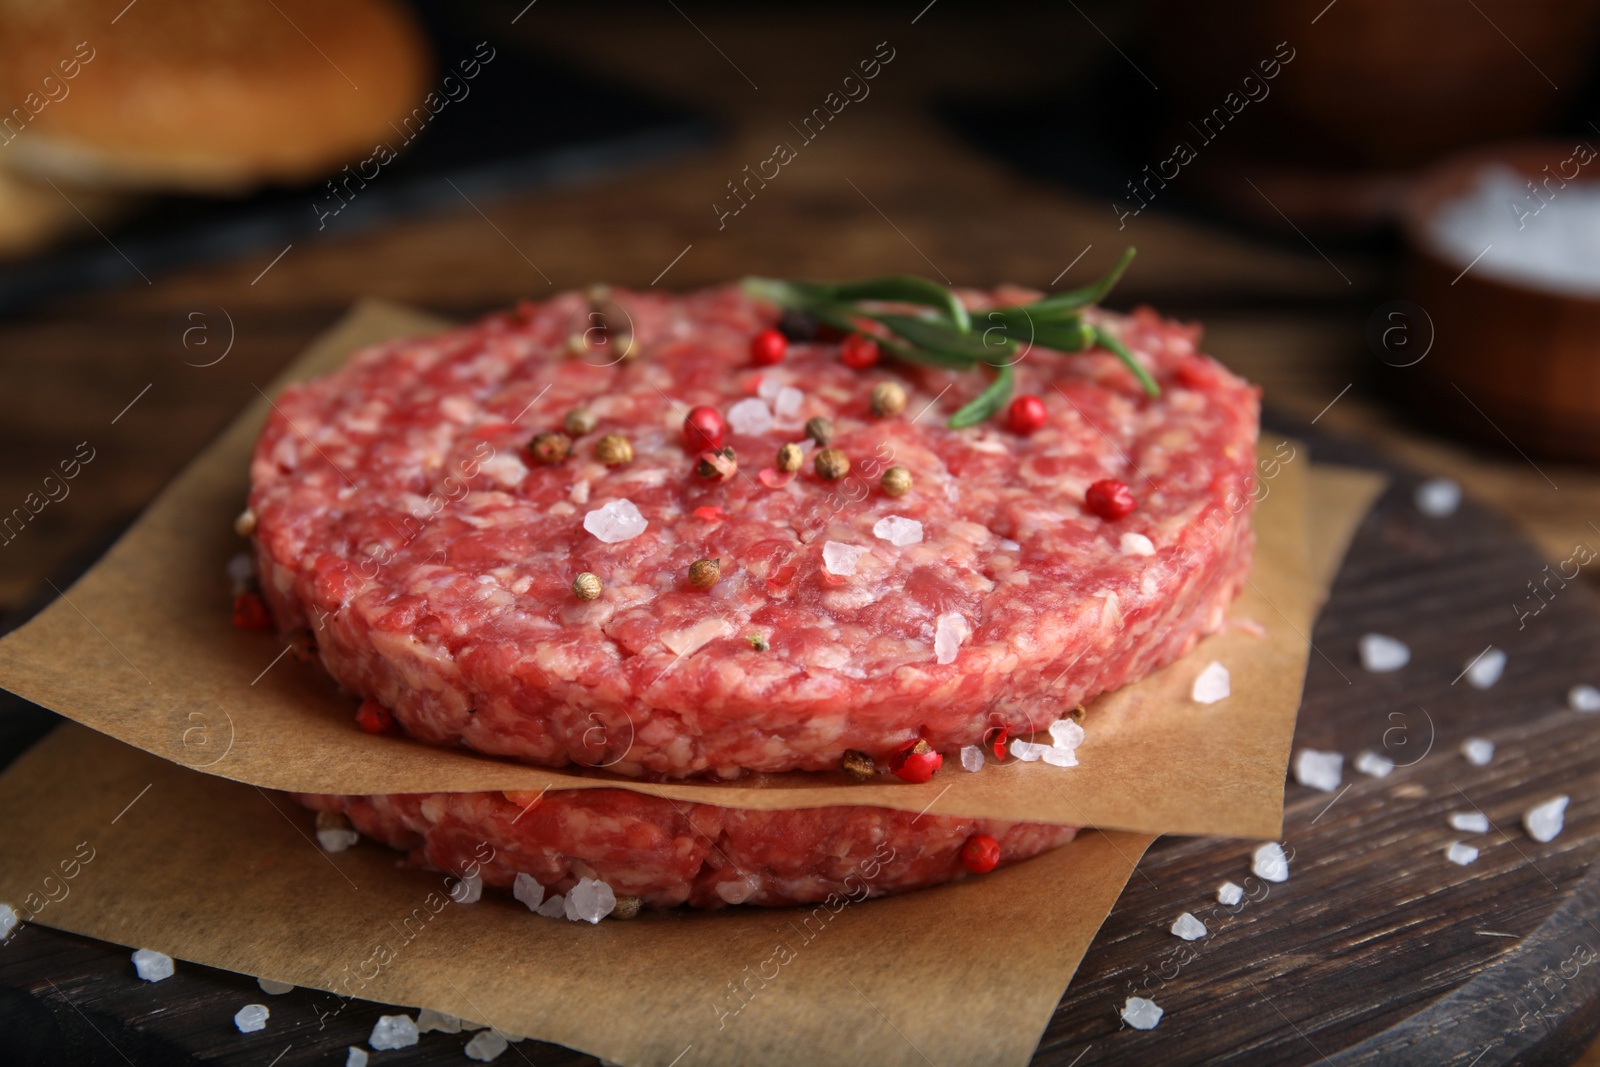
{"type": "Point", "coordinates": [1380, 653]}
{"type": "Point", "coordinates": [1544, 821]}
{"type": "Point", "coordinates": [1478, 751]}
{"type": "Point", "coordinates": [1583, 698]}
{"type": "Point", "coordinates": [1211, 684]}
{"type": "Point", "coordinates": [1009, 545]}
{"type": "Point", "coordinates": [1141, 1014]}
{"type": "Point", "coordinates": [554, 906]}
{"type": "Point", "coordinates": [590, 900]}
{"type": "Point", "coordinates": [527, 889]}
{"type": "Point", "coordinates": [1319, 770]}
{"type": "Point", "coordinates": [242, 569]}
{"type": "Point", "coordinates": [1460, 854]}
{"type": "Point", "coordinates": [1027, 751]}
{"type": "Point", "coordinates": [337, 838]}
{"type": "Point", "coordinates": [1486, 669]}
{"type": "Point", "coordinates": [467, 890]}
{"type": "Point", "coordinates": [1189, 928]}
{"type": "Point", "coordinates": [1137, 544]}
{"type": "Point", "coordinates": [485, 1046]}
{"type": "Point", "coordinates": [251, 1017]}
{"type": "Point", "coordinates": [972, 758]}
{"type": "Point", "coordinates": [770, 386]}
{"type": "Point", "coordinates": [429, 1020]}
{"type": "Point", "coordinates": [840, 558]}
{"type": "Point", "coordinates": [1374, 764]}
{"type": "Point", "coordinates": [949, 631]}
{"type": "Point", "coordinates": [1270, 863]}
{"type": "Point", "coordinates": [1470, 822]}
{"type": "Point", "coordinates": [898, 530]}
{"type": "Point", "coordinates": [750, 417]}
{"type": "Point", "coordinates": [787, 406]}
{"type": "Point", "coordinates": [153, 966]}
{"type": "Point", "coordinates": [393, 1031]}
{"type": "Point", "coordinates": [1229, 894]}
{"type": "Point", "coordinates": [356, 1057]}
{"type": "Point", "coordinates": [616, 521]}
{"type": "Point", "coordinates": [274, 989]}
{"type": "Point", "coordinates": [1066, 733]}
{"type": "Point", "coordinates": [1438, 497]}
{"type": "Point", "coordinates": [1059, 757]}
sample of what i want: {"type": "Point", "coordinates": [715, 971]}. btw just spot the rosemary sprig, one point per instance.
{"type": "Point", "coordinates": [945, 336]}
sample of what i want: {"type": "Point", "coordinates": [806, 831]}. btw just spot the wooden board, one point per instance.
{"type": "Point", "coordinates": [1376, 949]}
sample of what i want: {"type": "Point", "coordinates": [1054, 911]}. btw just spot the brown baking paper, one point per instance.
{"type": "Point", "coordinates": [141, 648]}
{"type": "Point", "coordinates": [204, 869]}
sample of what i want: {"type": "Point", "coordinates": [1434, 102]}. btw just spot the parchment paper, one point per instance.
{"type": "Point", "coordinates": [141, 648]}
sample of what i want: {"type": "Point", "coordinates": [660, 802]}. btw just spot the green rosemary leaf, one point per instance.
{"type": "Point", "coordinates": [1089, 294]}
{"type": "Point", "coordinates": [942, 339]}
{"type": "Point", "coordinates": [985, 403]}
{"type": "Point", "coordinates": [907, 289]}
{"type": "Point", "coordinates": [1107, 341]}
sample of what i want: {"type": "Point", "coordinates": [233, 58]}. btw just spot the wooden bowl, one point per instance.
{"type": "Point", "coordinates": [1526, 358]}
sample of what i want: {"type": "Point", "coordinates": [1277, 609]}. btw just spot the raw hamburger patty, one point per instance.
{"type": "Point", "coordinates": [670, 853]}
{"type": "Point", "coordinates": [402, 520]}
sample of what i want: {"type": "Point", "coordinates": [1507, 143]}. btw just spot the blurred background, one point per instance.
{"type": "Point", "coordinates": [1388, 214]}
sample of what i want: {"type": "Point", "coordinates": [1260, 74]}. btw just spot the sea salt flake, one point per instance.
{"type": "Point", "coordinates": [467, 890]}
{"type": "Point", "coordinates": [1141, 1014]}
{"type": "Point", "coordinates": [1188, 927]}
{"type": "Point", "coordinates": [949, 631]}
{"type": "Point", "coordinates": [251, 1017]}
{"type": "Point", "coordinates": [1478, 751]}
{"type": "Point", "coordinates": [616, 521]}
{"type": "Point", "coordinates": [750, 417]}
{"type": "Point", "coordinates": [485, 1046]}
{"type": "Point", "coordinates": [429, 1020]}
{"type": "Point", "coordinates": [1027, 751]}
{"type": "Point", "coordinates": [554, 906]}
{"type": "Point", "coordinates": [1270, 863]}
{"type": "Point", "coordinates": [1486, 669]}
{"type": "Point", "coordinates": [153, 966]}
{"type": "Point", "coordinates": [769, 388]}
{"type": "Point", "coordinates": [527, 889]}
{"type": "Point", "coordinates": [1460, 854]}
{"type": "Point", "coordinates": [1211, 684]}
{"type": "Point", "coordinates": [337, 838]}
{"type": "Point", "coordinates": [1065, 733]}
{"type": "Point", "coordinates": [898, 530]}
{"type": "Point", "coordinates": [1438, 497]}
{"type": "Point", "coordinates": [1319, 770]}
{"type": "Point", "coordinates": [1470, 822]}
{"type": "Point", "coordinates": [840, 558]}
{"type": "Point", "coordinates": [393, 1031]}
{"type": "Point", "coordinates": [590, 900]}
{"type": "Point", "coordinates": [274, 989]}
{"type": "Point", "coordinates": [1229, 894]}
{"type": "Point", "coordinates": [1583, 698]}
{"type": "Point", "coordinates": [1375, 765]}
{"type": "Point", "coordinates": [1059, 757]}
{"type": "Point", "coordinates": [1137, 544]}
{"type": "Point", "coordinates": [787, 405]}
{"type": "Point", "coordinates": [1544, 821]}
{"type": "Point", "coordinates": [972, 758]}
{"type": "Point", "coordinates": [1380, 653]}
{"type": "Point", "coordinates": [356, 1057]}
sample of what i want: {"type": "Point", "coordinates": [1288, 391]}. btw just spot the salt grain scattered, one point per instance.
{"type": "Point", "coordinates": [787, 406]}
{"type": "Point", "coordinates": [590, 901]}
{"type": "Point", "coordinates": [1319, 770]}
{"type": "Point", "coordinates": [1027, 751]}
{"type": "Point", "coordinates": [1270, 863]}
{"type": "Point", "coordinates": [337, 838]}
{"type": "Point", "coordinates": [1189, 928]}
{"type": "Point", "coordinates": [1438, 497]}
{"type": "Point", "coordinates": [554, 906]}
{"type": "Point", "coordinates": [251, 1017]}
{"type": "Point", "coordinates": [429, 1020]}
{"type": "Point", "coordinates": [617, 521]}
{"type": "Point", "coordinates": [1380, 653]}
{"type": "Point", "coordinates": [840, 558]}
{"type": "Point", "coordinates": [1064, 733]}
{"type": "Point", "coordinates": [1229, 894]}
{"type": "Point", "coordinates": [898, 530]}
{"type": "Point", "coordinates": [1137, 544]}
{"type": "Point", "coordinates": [750, 417]}
{"type": "Point", "coordinates": [356, 1057]}
{"type": "Point", "coordinates": [1211, 684]}
{"type": "Point", "coordinates": [1583, 698]}
{"type": "Point", "coordinates": [1059, 757]}
{"type": "Point", "coordinates": [949, 631]}
{"type": "Point", "coordinates": [153, 966]}
{"type": "Point", "coordinates": [467, 890]}
{"type": "Point", "coordinates": [1544, 821]}
{"type": "Point", "coordinates": [527, 889]}
{"type": "Point", "coordinates": [771, 385]}
{"type": "Point", "coordinates": [1460, 854]}
{"type": "Point", "coordinates": [485, 1046]}
{"type": "Point", "coordinates": [1141, 1014]}
{"type": "Point", "coordinates": [1486, 669]}
{"type": "Point", "coordinates": [393, 1031]}
{"type": "Point", "coordinates": [1470, 822]}
{"type": "Point", "coordinates": [274, 989]}
{"type": "Point", "coordinates": [972, 758]}
{"type": "Point", "coordinates": [1478, 751]}
{"type": "Point", "coordinates": [1375, 765]}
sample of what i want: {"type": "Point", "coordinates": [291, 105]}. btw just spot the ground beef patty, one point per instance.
{"type": "Point", "coordinates": [669, 852]}
{"type": "Point", "coordinates": [402, 519]}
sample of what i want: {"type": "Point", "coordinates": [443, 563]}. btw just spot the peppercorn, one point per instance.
{"type": "Point", "coordinates": [819, 430]}
{"type": "Point", "coordinates": [1025, 415]}
{"type": "Point", "coordinates": [373, 717]}
{"type": "Point", "coordinates": [981, 854]}
{"type": "Point", "coordinates": [832, 464]}
{"type": "Point", "coordinates": [245, 524]}
{"type": "Point", "coordinates": [858, 765]}
{"type": "Point", "coordinates": [703, 428]}
{"type": "Point", "coordinates": [721, 464]}
{"type": "Point", "coordinates": [705, 573]}
{"type": "Point", "coordinates": [580, 421]}
{"type": "Point", "coordinates": [586, 586]}
{"type": "Point", "coordinates": [758, 642]}
{"type": "Point", "coordinates": [798, 325]}
{"type": "Point", "coordinates": [550, 448]}
{"type": "Point", "coordinates": [888, 399]}
{"type": "Point", "coordinates": [768, 347]}
{"type": "Point", "coordinates": [896, 481]}
{"type": "Point", "coordinates": [626, 347]}
{"type": "Point", "coordinates": [1109, 499]}
{"type": "Point", "coordinates": [915, 761]}
{"type": "Point", "coordinates": [858, 352]}
{"type": "Point", "coordinates": [613, 449]}
{"type": "Point", "coordinates": [790, 456]}
{"type": "Point", "coordinates": [577, 344]}
{"type": "Point", "coordinates": [626, 908]}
